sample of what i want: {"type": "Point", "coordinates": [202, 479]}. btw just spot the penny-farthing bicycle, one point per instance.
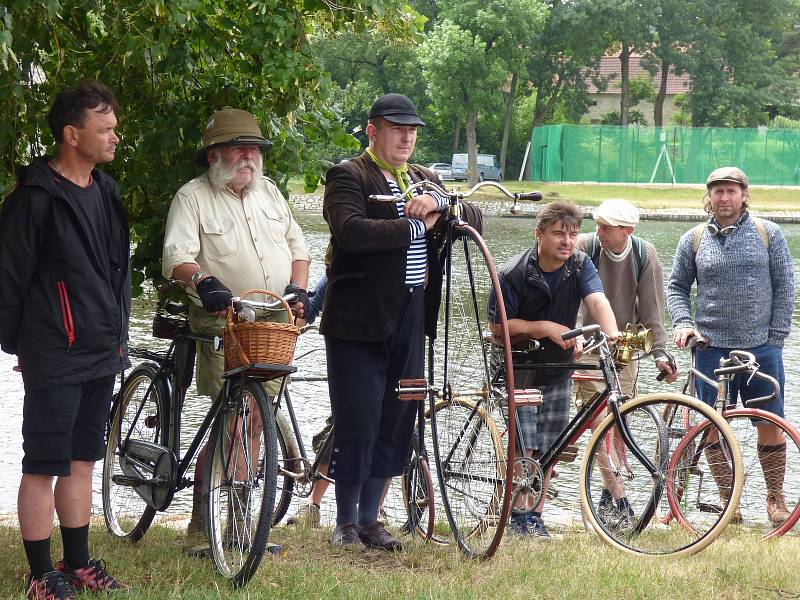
{"type": "Point", "coordinates": [472, 458]}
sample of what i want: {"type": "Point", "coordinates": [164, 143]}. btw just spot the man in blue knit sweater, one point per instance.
{"type": "Point", "coordinates": [745, 295]}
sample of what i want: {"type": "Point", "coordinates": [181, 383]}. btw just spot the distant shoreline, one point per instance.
{"type": "Point", "coordinates": [312, 203]}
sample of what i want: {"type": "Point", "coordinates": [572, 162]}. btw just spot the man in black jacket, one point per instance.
{"type": "Point", "coordinates": [383, 281]}
{"type": "Point", "coordinates": [64, 310]}
{"type": "Point", "coordinates": [542, 291]}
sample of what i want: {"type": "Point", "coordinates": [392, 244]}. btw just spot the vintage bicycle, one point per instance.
{"type": "Point", "coordinates": [145, 463]}
{"type": "Point", "coordinates": [629, 450]}
{"type": "Point", "coordinates": [408, 504]}
{"type": "Point", "coordinates": [462, 396]}
{"type": "Point", "coordinates": [700, 479]}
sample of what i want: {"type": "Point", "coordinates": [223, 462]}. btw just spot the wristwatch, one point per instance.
{"type": "Point", "coordinates": [197, 277]}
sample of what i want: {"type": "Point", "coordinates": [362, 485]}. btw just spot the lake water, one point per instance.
{"type": "Point", "coordinates": [505, 237]}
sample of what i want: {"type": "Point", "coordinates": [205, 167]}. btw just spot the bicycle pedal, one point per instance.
{"type": "Point", "coordinates": [410, 390]}
{"type": "Point", "coordinates": [274, 548]}
{"type": "Point", "coordinates": [528, 397]}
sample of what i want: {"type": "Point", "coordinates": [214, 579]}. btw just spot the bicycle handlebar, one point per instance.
{"type": "Point", "coordinates": [741, 361]}
{"type": "Point", "coordinates": [568, 335]}
{"type": "Point", "coordinates": [455, 195]}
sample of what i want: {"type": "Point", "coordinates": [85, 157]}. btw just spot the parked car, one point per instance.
{"type": "Point", "coordinates": [488, 167]}
{"type": "Point", "coordinates": [444, 170]}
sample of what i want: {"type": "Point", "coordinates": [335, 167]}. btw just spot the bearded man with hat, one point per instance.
{"type": "Point", "coordinates": [384, 287]}
{"type": "Point", "coordinates": [228, 231]}
{"type": "Point", "coordinates": [745, 297]}
{"type": "Point", "coordinates": [633, 280]}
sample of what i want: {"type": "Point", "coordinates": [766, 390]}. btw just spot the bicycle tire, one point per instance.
{"type": "Point", "coordinates": [287, 460]}
{"type": "Point", "coordinates": [127, 515]}
{"type": "Point", "coordinates": [239, 484]}
{"type": "Point", "coordinates": [641, 533]}
{"type": "Point", "coordinates": [418, 497]}
{"type": "Point", "coordinates": [658, 453]}
{"type": "Point", "coordinates": [471, 462]}
{"type": "Point", "coordinates": [752, 503]}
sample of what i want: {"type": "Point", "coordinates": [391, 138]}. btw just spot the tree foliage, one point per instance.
{"type": "Point", "coordinates": [172, 63]}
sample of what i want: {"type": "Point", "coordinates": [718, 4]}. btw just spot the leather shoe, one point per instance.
{"type": "Point", "coordinates": [347, 536]}
{"type": "Point", "coordinates": [375, 535]}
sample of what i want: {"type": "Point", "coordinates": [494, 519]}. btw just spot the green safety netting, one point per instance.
{"type": "Point", "coordinates": [639, 154]}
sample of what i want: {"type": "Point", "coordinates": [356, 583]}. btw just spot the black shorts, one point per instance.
{"type": "Point", "coordinates": [65, 422]}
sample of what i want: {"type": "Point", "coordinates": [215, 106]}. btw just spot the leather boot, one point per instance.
{"type": "Point", "coordinates": [196, 541]}
{"type": "Point", "coordinates": [773, 465]}
{"type": "Point", "coordinates": [723, 477]}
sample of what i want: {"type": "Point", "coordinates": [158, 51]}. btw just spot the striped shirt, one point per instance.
{"type": "Point", "coordinates": [416, 255]}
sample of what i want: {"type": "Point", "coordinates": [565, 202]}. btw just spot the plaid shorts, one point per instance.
{"type": "Point", "coordinates": [540, 426]}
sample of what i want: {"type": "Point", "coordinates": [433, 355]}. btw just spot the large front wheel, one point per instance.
{"type": "Point", "coordinates": [474, 393]}
{"type": "Point", "coordinates": [639, 496]}
{"type": "Point", "coordinates": [240, 479]}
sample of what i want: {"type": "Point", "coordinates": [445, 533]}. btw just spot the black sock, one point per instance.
{"type": "Point", "coordinates": [38, 553]}
{"type": "Point", "coordinates": [370, 499]}
{"type": "Point", "coordinates": [76, 546]}
{"type": "Point", "coordinates": [346, 502]}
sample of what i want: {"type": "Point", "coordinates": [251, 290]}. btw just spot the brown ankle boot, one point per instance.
{"type": "Point", "coordinates": [773, 465]}
{"type": "Point", "coordinates": [723, 477]}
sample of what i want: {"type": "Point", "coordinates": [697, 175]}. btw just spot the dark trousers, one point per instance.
{"type": "Point", "coordinates": [372, 428]}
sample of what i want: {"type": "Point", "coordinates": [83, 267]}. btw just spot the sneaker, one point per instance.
{"type": "Point", "coordinates": [307, 515]}
{"type": "Point", "coordinates": [92, 578]}
{"type": "Point", "coordinates": [375, 535]}
{"type": "Point", "coordinates": [54, 585]}
{"type": "Point", "coordinates": [537, 529]}
{"type": "Point", "coordinates": [346, 536]}
{"type": "Point", "coordinates": [518, 523]}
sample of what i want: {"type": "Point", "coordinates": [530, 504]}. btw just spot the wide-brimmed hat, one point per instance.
{"type": "Point", "coordinates": [231, 127]}
{"type": "Point", "coordinates": [397, 109]}
{"type": "Point", "coordinates": [616, 212]}
{"type": "Point", "coordinates": [732, 174]}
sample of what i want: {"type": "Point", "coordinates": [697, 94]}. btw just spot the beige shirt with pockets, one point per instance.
{"type": "Point", "coordinates": [245, 243]}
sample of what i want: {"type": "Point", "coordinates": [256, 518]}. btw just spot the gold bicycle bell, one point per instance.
{"type": "Point", "coordinates": [633, 338]}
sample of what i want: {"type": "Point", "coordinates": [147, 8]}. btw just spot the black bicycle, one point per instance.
{"type": "Point", "coordinates": [144, 464]}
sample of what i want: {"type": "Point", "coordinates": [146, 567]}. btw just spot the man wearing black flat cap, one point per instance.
{"type": "Point", "coordinates": [384, 286]}
{"type": "Point", "coordinates": [228, 231]}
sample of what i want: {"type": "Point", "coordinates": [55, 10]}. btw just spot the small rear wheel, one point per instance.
{"type": "Point", "coordinates": [632, 525]}
{"type": "Point", "coordinates": [140, 413]}
{"type": "Point", "coordinates": [240, 478]}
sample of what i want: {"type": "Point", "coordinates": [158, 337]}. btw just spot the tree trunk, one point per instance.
{"type": "Point", "coordinates": [509, 118]}
{"type": "Point", "coordinates": [624, 68]}
{"type": "Point", "coordinates": [472, 148]}
{"type": "Point", "coordinates": [456, 134]}
{"type": "Point", "coordinates": [658, 105]}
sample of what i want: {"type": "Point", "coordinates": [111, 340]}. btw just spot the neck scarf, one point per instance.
{"type": "Point", "coordinates": [400, 173]}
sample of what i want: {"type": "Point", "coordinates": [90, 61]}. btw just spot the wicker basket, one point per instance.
{"type": "Point", "coordinates": [166, 326]}
{"type": "Point", "coordinates": [249, 343]}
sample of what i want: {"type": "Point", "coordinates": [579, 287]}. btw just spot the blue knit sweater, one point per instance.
{"type": "Point", "coordinates": [745, 292]}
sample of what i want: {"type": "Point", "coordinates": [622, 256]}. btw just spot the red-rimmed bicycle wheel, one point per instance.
{"type": "Point", "coordinates": [771, 473]}
{"type": "Point", "coordinates": [471, 462]}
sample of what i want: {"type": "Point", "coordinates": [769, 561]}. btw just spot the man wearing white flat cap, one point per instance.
{"type": "Point", "coordinates": [632, 277]}
{"type": "Point", "coordinates": [633, 280]}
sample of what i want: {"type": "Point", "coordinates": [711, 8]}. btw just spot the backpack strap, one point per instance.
{"type": "Point", "coordinates": [762, 231]}
{"type": "Point", "coordinates": [593, 249]}
{"type": "Point", "coordinates": [639, 255]}
{"type": "Point", "coordinates": [697, 235]}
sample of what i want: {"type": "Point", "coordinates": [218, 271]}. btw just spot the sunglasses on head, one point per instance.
{"type": "Point", "coordinates": [724, 232]}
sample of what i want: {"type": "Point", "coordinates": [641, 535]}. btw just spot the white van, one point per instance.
{"type": "Point", "coordinates": [488, 167]}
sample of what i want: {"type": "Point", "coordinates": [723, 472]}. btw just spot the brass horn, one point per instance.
{"type": "Point", "coordinates": [633, 338]}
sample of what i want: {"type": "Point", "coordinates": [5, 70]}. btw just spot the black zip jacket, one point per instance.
{"type": "Point", "coordinates": [62, 312]}
{"type": "Point", "coordinates": [538, 303]}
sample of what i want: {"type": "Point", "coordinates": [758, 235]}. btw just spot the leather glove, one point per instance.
{"type": "Point", "coordinates": [300, 295]}
{"type": "Point", "coordinates": [213, 294]}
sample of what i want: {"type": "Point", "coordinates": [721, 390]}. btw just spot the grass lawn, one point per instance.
{"type": "Point", "coordinates": [576, 566]}
{"type": "Point", "coordinates": [763, 199]}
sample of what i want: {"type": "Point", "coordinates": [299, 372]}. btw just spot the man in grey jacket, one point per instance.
{"type": "Point", "coordinates": [745, 296]}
